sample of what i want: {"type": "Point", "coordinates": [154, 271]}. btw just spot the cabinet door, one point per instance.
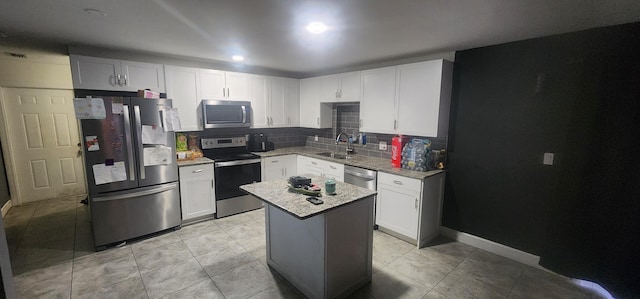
{"type": "Point", "coordinates": [313, 114]}
{"type": "Point", "coordinates": [350, 87]}
{"type": "Point", "coordinates": [258, 89]}
{"type": "Point", "coordinates": [140, 75]}
{"type": "Point", "coordinates": [329, 86]}
{"type": "Point", "coordinates": [292, 102]}
{"type": "Point", "coordinates": [279, 167]}
{"type": "Point", "coordinates": [183, 88]}
{"type": "Point", "coordinates": [377, 104]}
{"type": "Point", "coordinates": [237, 86]}
{"type": "Point", "coordinates": [95, 73]}
{"type": "Point", "coordinates": [334, 170]}
{"type": "Point", "coordinates": [419, 98]}
{"type": "Point", "coordinates": [212, 85]}
{"type": "Point", "coordinates": [290, 165]}
{"type": "Point", "coordinates": [277, 93]}
{"type": "Point", "coordinates": [197, 197]}
{"type": "Point", "coordinates": [397, 210]}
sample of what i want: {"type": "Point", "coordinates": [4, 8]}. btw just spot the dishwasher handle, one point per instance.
{"type": "Point", "coordinates": [359, 175]}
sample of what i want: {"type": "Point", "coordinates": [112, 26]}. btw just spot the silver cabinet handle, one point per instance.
{"type": "Point", "coordinates": [289, 120]}
{"type": "Point", "coordinates": [282, 171]}
{"type": "Point", "coordinates": [275, 161]}
{"type": "Point", "coordinates": [224, 92]}
{"type": "Point", "coordinates": [138, 124]}
{"type": "Point", "coordinates": [398, 182]}
{"type": "Point", "coordinates": [126, 81]}
{"type": "Point", "coordinates": [360, 123]}
{"type": "Point", "coordinates": [228, 92]}
{"type": "Point", "coordinates": [340, 93]}
{"type": "Point", "coordinates": [395, 124]}
{"type": "Point", "coordinates": [314, 163]}
{"type": "Point", "coordinates": [332, 167]}
{"type": "Point", "coordinates": [416, 203]}
{"type": "Point", "coordinates": [118, 79]}
{"type": "Point", "coordinates": [129, 141]}
{"type": "Point", "coordinates": [197, 170]}
{"type": "Point", "coordinates": [318, 120]}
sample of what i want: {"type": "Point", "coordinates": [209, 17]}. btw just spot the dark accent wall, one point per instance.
{"type": "Point", "coordinates": [576, 95]}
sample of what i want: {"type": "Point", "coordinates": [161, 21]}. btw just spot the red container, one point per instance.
{"type": "Point", "coordinates": [396, 151]}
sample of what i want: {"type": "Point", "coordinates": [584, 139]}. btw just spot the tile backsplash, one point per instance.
{"type": "Point", "coordinates": [345, 119]}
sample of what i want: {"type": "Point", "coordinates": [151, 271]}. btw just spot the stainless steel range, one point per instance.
{"type": "Point", "coordinates": [234, 166]}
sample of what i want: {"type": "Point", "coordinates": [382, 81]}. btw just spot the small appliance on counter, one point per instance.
{"type": "Point", "coordinates": [259, 143]}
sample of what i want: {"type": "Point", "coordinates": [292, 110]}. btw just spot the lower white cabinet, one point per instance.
{"type": "Point", "coordinates": [410, 208]}
{"type": "Point", "coordinates": [279, 167]}
{"type": "Point", "coordinates": [320, 168]}
{"type": "Point", "coordinates": [197, 196]}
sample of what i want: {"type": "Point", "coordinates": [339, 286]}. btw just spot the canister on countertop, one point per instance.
{"type": "Point", "coordinates": [330, 186]}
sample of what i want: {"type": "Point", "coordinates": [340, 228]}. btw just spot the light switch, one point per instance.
{"type": "Point", "coordinates": [382, 146]}
{"type": "Point", "coordinates": [548, 159]}
{"type": "Point", "coordinates": [315, 138]}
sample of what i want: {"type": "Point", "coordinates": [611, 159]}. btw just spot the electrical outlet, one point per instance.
{"type": "Point", "coordinates": [548, 159]}
{"type": "Point", "coordinates": [315, 138]}
{"type": "Point", "coordinates": [382, 145]}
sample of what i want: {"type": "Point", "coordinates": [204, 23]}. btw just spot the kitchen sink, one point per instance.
{"type": "Point", "coordinates": [333, 155]}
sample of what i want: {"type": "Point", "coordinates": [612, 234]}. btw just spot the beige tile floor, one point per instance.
{"type": "Point", "coordinates": [52, 256]}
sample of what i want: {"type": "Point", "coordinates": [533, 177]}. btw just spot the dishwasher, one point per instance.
{"type": "Point", "coordinates": [364, 178]}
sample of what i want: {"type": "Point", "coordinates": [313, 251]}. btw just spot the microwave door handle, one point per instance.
{"type": "Point", "coordinates": [138, 123]}
{"type": "Point", "coordinates": [244, 114]}
{"type": "Point", "coordinates": [129, 142]}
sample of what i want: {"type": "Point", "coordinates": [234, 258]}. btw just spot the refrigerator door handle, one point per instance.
{"type": "Point", "coordinates": [129, 141]}
{"type": "Point", "coordinates": [150, 191]}
{"type": "Point", "coordinates": [138, 123]}
{"type": "Point", "coordinates": [244, 114]}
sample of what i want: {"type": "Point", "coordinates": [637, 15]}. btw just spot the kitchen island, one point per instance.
{"type": "Point", "coordinates": [324, 250]}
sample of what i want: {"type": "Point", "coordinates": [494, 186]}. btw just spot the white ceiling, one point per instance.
{"type": "Point", "coordinates": [271, 34]}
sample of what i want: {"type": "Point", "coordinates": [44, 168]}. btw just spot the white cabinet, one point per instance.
{"type": "Point", "coordinates": [313, 114]}
{"type": "Point", "coordinates": [221, 85]}
{"type": "Point", "coordinates": [274, 101]}
{"type": "Point", "coordinates": [410, 207]}
{"type": "Point", "coordinates": [377, 106]}
{"type": "Point", "coordinates": [345, 87]}
{"type": "Point", "coordinates": [280, 167]}
{"type": "Point", "coordinates": [113, 74]}
{"type": "Point", "coordinates": [197, 196]}
{"type": "Point", "coordinates": [183, 87]}
{"type": "Point", "coordinates": [410, 99]}
{"type": "Point", "coordinates": [320, 168]}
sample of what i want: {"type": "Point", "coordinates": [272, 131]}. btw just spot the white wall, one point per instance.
{"type": "Point", "coordinates": [39, 70]}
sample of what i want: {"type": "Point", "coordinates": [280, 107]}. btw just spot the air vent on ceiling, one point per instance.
{"type": "Point", "coordinates": [16, 55]}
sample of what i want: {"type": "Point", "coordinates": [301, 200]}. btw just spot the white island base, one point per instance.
{"type": "Point", "coordinates": [328, 255]}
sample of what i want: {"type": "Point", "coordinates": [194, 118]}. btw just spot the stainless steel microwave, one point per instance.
{"type": "Point", "coordinates": [226, 114]}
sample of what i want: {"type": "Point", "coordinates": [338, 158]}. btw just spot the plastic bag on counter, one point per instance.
{"type": "Point", "coordinates": [414, 154]}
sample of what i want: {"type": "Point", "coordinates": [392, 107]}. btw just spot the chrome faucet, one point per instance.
{"type": "Point", "coordinates": [348, 150]}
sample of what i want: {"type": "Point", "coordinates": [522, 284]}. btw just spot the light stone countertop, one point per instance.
{"type": "Point", "coordinates": [276, 193]}
{"type": "Point", "coordinates": [196, 161]}
{"type": "Point", "coordinates": [377, 164]}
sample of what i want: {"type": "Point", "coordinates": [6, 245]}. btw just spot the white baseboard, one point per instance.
{"type": "Point", "coordinates": [5, 208]}
{"type": "Point", "coordinates": [493, 247]}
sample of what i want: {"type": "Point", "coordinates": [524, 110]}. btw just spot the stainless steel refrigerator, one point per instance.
{"type": "Point", "coordinates": [131, 170]}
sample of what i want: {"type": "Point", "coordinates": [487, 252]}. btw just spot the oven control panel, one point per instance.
{"type": "Point", "coordinates": [209, 143]}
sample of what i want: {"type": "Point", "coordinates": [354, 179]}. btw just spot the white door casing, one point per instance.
{"type": "Point", "coordinates": [42, 143]}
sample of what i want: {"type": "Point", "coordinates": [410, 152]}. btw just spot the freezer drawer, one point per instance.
{"type": "Point", "coordinates": [120, 216]}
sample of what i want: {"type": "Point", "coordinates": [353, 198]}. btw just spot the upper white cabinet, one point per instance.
{"type": "Point", "coordinates": [313, 114]}
{"type": "Point", "coordinates": [274, 101]}
{"type": "Point", "coordinates": [343, 87]}
{"type": "Point", "coordinates": [183, 87]}
{"type": "Point", "coordinates": [377, 106]}
{"type": "Point", "coordinates": [113, 74]}
{"type": "Point", "coordinates": [221, 85]}
{"type": "Point", "coordinates": [420, 102]}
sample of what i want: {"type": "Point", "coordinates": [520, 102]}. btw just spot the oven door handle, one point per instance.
{"type": "Point", "coordinates": [235, 163]}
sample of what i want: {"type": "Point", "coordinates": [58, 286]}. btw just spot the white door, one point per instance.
{"type": "Point", "coordinates": [292, 101]}
{"type": "Point", "coordinates": [140, 75]}
{"type": "Point", "coordinates": [237, 86]}
{"type": "Point", "coordinates": [377, 112]}
{"type": "Point", "coordinates": [213, 85]}
{"type": "Point", "coordinates": [259, 92]}
{"type": "Point", "coordinates": [183, 88]}
{"type": "Point", "coordinates": [43, 140]}
{"type": "Point", "coordinates": [278, 102]}
{"type": "Point", "coordinates": [350, 87]}
{"type": "Point", "coordinates": [310, 103]}
{"type": "Point", "coordinates": [397, 210]}
{"type": "Point", "coordinates": [418, 98]}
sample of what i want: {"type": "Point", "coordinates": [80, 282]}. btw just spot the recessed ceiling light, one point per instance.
{"type": "Point", "coordinates": [93, 11]}
{"type": "Point", "coordinates": [316, 27]}
{"type": "Point", "coordinates": [237, 58]}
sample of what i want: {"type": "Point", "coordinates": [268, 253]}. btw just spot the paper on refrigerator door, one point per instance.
{"type": "Point", "coordinates": [103, 174]}
{"type": "Point", "coordinates": [153, 135]}
{"type": "Point", "coordinates": [170, 119]}
{"type": "Point", "coordinates": [157, 155]}
{"type": "Point", "coordinates": [89, 108]}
